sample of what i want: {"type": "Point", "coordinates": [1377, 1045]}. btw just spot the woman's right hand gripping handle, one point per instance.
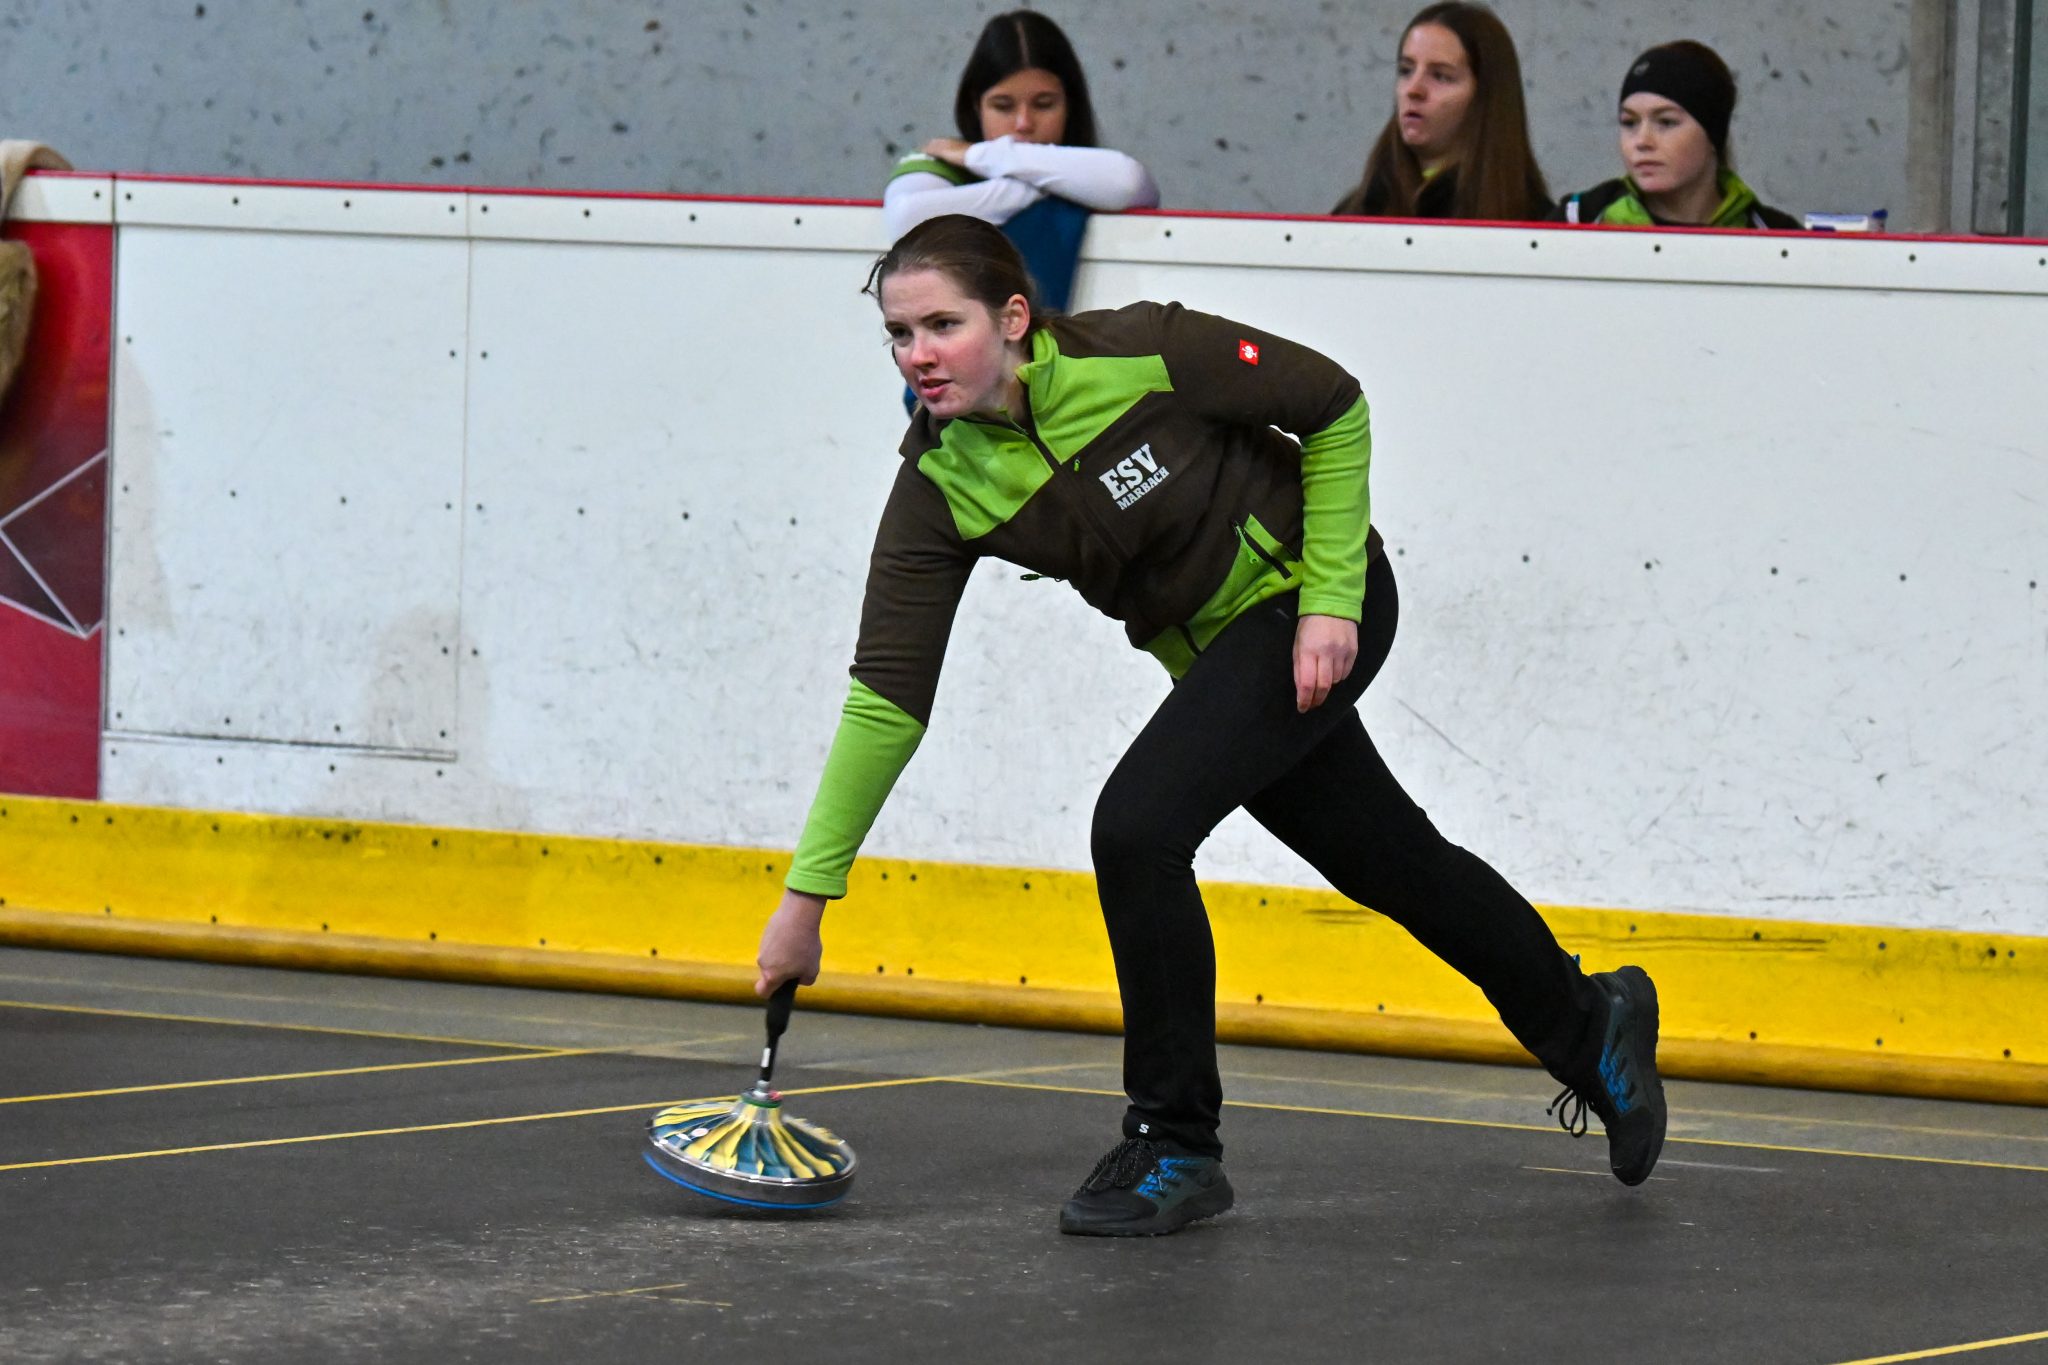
{"type": "Point", "coordinates": [790, 943]}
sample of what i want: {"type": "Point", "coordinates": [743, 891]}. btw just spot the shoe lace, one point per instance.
{"type": "Point", "coordinates": [1123, 1165]}
{"type": "Point", "coordinates": [1570, 1107]}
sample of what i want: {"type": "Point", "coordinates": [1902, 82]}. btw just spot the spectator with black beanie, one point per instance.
{"type": "Point", "coordinates": [1676, 104]}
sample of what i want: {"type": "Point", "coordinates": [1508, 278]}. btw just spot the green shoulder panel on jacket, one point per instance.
{"type": "Point", "coordinates": [1264, 568]}
{"type": "Point", "coordinates": [872, 747]}
{"type": "Point", "coordinates": [1625, 209]}
{"type": "Point", "coordinates": [1078, 397]}
{"type": "Point", "coordinates": [1737, 199]}
{"type": "Point", "coordinates": [1623, 206]}
{"type": "Point", "coordinates": [988, 471]}
{"type": "Point", "coordinates": [918, 162]}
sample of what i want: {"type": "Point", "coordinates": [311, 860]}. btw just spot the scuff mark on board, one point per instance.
{"type": "Point", "coordinates": [1447, 739]}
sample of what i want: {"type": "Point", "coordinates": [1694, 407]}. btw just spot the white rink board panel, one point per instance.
{"type": "Point", "coordinates": [63, 197]}
{"type": "Point", "coordinates": [1775, 643]}
{"type": "Point", "coordinates": [286, 544]}
{"type": "Point", "coordinates": [675, 455]}
{"type": "Point", "coordinates": [671, 501]}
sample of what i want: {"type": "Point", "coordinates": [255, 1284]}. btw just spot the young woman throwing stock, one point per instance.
{"type": "Point", "coordinates": [1133, 454]}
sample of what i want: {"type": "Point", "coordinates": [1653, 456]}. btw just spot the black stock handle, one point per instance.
{"type": "Point", "coordinates": [779, 1006]}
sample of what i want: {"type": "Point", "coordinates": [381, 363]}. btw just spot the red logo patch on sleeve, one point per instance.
{"type": "Point", "coordinates": [1248, 353]}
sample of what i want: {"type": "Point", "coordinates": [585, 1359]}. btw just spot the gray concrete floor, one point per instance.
{"type": "Point", "coordinates": [413, 1171]}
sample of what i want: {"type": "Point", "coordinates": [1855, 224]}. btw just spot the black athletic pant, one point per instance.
{"type": "Point", "coordinates": [1228, 736]}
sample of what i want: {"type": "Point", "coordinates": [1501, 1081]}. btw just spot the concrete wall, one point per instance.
{"type": "Point", "coordinates": [1234, 104]}
{"type": "Point", "coordinates": [2037, 128]}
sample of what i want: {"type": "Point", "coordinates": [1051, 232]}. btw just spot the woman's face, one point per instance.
{"type": "Point", "coordinates": [1664, 148]}
{"type": "Point", "coordinates": [1433, 89]}
{"type": "Point", "coordinates": [1030, 106]}
{"type": "Point", "coordinates": [958, 355]}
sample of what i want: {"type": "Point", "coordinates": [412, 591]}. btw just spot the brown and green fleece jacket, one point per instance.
{"type": "Point", "coordinates": [1145, 470]}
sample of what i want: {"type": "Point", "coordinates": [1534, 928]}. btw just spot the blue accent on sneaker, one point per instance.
{"type": "Point", "coordinates": [1617, 1085]}
{"type": "Point", "coordinates": [1169, 1172]}
{"type": "Point", "coordinates": [1623, 1087]}
{"type": "Point", "coordinates": [1143, 1188]}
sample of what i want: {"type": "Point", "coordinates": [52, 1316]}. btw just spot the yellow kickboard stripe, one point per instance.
{"type": "Point", "coordinates": [1838, 1006]}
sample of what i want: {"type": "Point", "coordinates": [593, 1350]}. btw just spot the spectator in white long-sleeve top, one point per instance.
{"type": "Point", "coordinates": [1026, 158]}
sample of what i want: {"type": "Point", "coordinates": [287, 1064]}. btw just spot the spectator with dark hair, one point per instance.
{"type": "Point", "coordinates": [1026, 158]}
{"type": "Point", "coordinates": [1676, 105]}
{"type": "Point", "coordinates": [1457, 143]}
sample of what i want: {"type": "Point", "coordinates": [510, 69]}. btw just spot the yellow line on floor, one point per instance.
{"type": "Point", "coordinates": [1262, 1104]}
{"type": "Point", "coordinates": [1864, 1156]}
{"type": "Point", "coordinates": [1678, 1112]}
{"type": "Point", "coordinates": [990, 1080]}
{"type": "Point", "coordinates": [1002, 1071]}
{"type": "Point", "coordinates": [323, 1002]}
{"type": "Point", "coordinates": [535, 1056]}
{"type": "Point", "coordinates": [646, 1105]}
{"type": "Point", "coordinates": [261, 1023]}
{"type": "Point", "coordinates": [668, 1048]}
{"type": "Point", "coordinates": [1917, 1129]}
{"type": "Point", "coordinates": [1451, 1092]}
{"type": "Point", "coordinates": [1448, 1091]}
{"type": "Point", "coordinates": [1526, 1127]}
{"type": "Point", "coordinates": [1950, 1350]}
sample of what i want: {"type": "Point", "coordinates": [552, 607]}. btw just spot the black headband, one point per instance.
{"type": "Point", "coordinates": [1694, 85]}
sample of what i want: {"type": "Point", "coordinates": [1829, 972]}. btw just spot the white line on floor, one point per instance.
{"type": "Point", "coordinates": [1718, 1166]}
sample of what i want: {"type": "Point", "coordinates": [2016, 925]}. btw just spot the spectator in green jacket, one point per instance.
{"type": "Point", "coordinates": [1457, 143]}
{"type": "Point", "coordinates": [1676, 104]}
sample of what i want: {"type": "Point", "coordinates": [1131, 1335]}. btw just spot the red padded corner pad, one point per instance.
{"type": "Point", "coordinates": [49, 709]}
{"type": "Point", "coordinates": [53, 518]}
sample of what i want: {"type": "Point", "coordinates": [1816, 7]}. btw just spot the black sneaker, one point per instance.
{"type": "Point", "coordinates": [1145, 1188]}
{"type": "Point", "coordinates": [1625, 1092]}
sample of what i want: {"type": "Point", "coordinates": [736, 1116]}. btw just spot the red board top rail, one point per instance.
{"type": "Point", "coordinates": [668, 196]}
